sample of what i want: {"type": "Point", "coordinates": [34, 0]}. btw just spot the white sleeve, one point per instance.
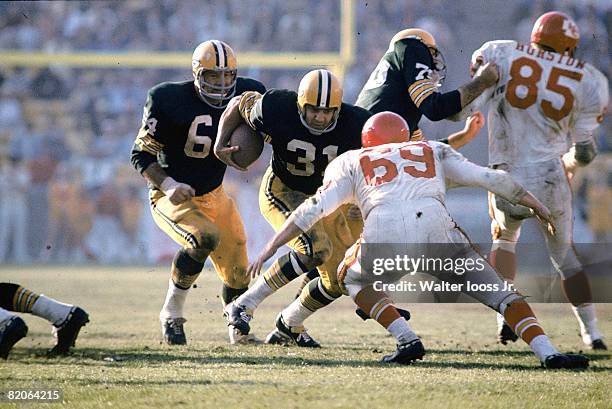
{"type": "Point", "coordinates": [492, 51]}
{"type": "Point", "coordinates": [461, 172]}
{"type": "Point", "coordinates": [591, 105]}
{"type": "Point", "coordinates": [336, 190]}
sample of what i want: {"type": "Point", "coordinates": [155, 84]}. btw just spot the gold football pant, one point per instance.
{"type": "Point", "coordinates": [327, 240]}
{"type": "Point", "coordinates": [202, 221]}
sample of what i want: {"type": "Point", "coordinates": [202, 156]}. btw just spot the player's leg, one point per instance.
{"type": "Point", "coordinates": [230, 257]}
{"type": "Point", "coordinates": [379, 306]}
{"type": "Point", "coordinates": [67, 319]}
{"type": "Point", "coordinates": [12, 329]}
{"type": "Point", "coordinates": [187, 225]}
{"type": "Point", "coordinates": [516, 312]}
{"type": "Point", "coordinates": [331, 237]}
{"type": "Point", "coordinates": [574, 281]}
{"type": "Point", "coordinates": [276, 202]}
{"type": "Point", "coordinates": [505, 232]}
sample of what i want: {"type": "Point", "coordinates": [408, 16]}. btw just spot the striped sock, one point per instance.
{"type": "Point", "coordinates": [24, 300]}
{"type": "Point", "coordinates": [306, 278]}
{"type": "Point", "coordinates": [522, 320]}
{"type": "Point", "coordinates": [314, 297]}
{"type": "Point", "coordinates": [380, 308]}
{"type": "Point", "coordinates": [285, 269]}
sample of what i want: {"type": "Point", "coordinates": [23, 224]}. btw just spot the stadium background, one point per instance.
{"type": "Point", "coordinates": [68, 194]}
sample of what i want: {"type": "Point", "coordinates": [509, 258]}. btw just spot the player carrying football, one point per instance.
{"type": "Point", "coordinates": [307, 130]}
{"type": "Point", "coordinates": [400, 188]}
{"type": "Point", "coordinates": [544, 96]}
{"type": "Point", "coordinates": [173, 153]}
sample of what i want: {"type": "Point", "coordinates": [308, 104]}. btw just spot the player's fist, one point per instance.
{"type": "Point", "coordinates": [474, 123]}
{"type": "Point", "coordinates": [490, 73]}
{"type": "Point", "coordinates": [176, 192]}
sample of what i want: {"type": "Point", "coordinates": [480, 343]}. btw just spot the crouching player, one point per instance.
{"type": "Point", "coordinates": [400, 188]}
{"type": "Point", "coordinates": [67, 319]}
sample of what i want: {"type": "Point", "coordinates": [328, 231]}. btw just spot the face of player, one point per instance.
{"type": "Point", "coordinates": [217, 83]}
{"type": "Point", "coordinates": [318, 118]}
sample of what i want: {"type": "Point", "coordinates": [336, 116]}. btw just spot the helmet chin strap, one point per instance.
{"type": "Point", "coordinates": [316, 131]}
{"type": "Point", "coordinates": [223, 100]}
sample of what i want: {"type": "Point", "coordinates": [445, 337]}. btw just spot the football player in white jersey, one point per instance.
{"type": "Point", "coordinates": [400, 188]}
{"type": "Point", "coordinates": [544, 96]}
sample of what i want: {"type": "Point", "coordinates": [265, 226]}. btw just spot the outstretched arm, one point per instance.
{"type": "Point", "coordinates": [473, 125]}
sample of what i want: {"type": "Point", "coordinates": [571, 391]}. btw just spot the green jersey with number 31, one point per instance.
{"type": "Point", "coordinates": [299, 158]}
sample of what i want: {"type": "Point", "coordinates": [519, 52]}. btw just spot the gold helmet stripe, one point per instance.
{"type": "Point", "coordinates": [220, 54]}
{"type": "Point", "coordinates": [324, 92]}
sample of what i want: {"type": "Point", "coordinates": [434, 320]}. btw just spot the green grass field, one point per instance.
{"type": "Point", "coordinates": [119, 361]}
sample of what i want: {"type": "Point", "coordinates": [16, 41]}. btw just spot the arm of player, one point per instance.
{"type": "Point", "coordinates": [462, 172]}
{"type": "Point", "coordinates": [486, 79]}
{"type": "Point", "coordinates": [473, 125]}
{"type": "Point", "coordinates": [336, 191]}
{"type": "Point", "coordinates": [592, 106]}
{"type": "Point", "coordinates": [144, 154]}
{"type": "Point", "coordinates": [230, 119]}
{"type": "Point", "coordinates": [423, 91]}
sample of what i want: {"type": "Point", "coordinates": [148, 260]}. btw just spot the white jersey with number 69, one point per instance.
{"type": "Point", "coordinates": [393, 177]}
{"type": "Point", "coordinates": [543, 102]}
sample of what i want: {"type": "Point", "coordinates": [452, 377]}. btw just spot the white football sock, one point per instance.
{"type": "Point", "coordinates": [401, 330]}
{"type": "Point", "coordinates": [255, 294]}
{"type": "Point", "coordinates": [585, 314]}
{"type": "Point", "coordinates": [542, 347]}
{"type": "Point", "coordinates": [295, 313]}
{"type": "Point", "coordinates": [500, 321]}
{"type": "Point", "coordinates": [175, 300]}
{"type": "Point", "coordinates": [5, 315]}
{"type": "Point", "coordinates": [52, 310]}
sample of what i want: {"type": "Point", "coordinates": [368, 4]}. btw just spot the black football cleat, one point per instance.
{"type": "Point", "coordinates": [405, 314]}
{"type": "Point", "coordinates": [599, 345]}
{"type": "Point", "coordinates": [284, 335]}
{"type": "Point", "coordinates": [406, 354]}
{"type": "Point", "coordinates": [566, 361]}
{"type": "Point", "coordinates": [68, 332]}
{"type": "Point", "coordinates": [506, 334]}
{"type": "Point", "coordinates": [173, 331]}
{"type": "Point", "coordinates": [238, 316]}
{"type": "Point", "coordinates": [13, 331]}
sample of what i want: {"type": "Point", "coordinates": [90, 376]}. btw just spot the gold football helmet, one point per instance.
{"type": "Point", "coordinates": [429, 40]}
{"type": "Point", "coordinates": [322, 90]}
{"type": "Point", "coordinates": [214, 69]}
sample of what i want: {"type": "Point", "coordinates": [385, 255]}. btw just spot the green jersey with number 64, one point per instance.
{"type": "Point", "coordinates": [179, 130]}
{"type": "Point", "coordinates": [299, 158]}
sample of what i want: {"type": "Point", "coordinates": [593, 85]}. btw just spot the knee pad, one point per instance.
{"type": "Point", "coordinates": [186, 264]}
{"type": "Point", "coordinates": [509, 246]}
{"type": "Point", "coordinates": [229, 294]}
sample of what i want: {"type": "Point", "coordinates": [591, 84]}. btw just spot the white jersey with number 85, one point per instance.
{"type": "Point", "coordinates": [543, 102]}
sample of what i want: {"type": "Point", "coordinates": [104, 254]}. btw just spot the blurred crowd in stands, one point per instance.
{"type": "Point", "coordinates": [68, 192]}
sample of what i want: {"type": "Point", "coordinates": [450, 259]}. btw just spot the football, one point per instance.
{"type": "Point", "coordinates": [250, 143]}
